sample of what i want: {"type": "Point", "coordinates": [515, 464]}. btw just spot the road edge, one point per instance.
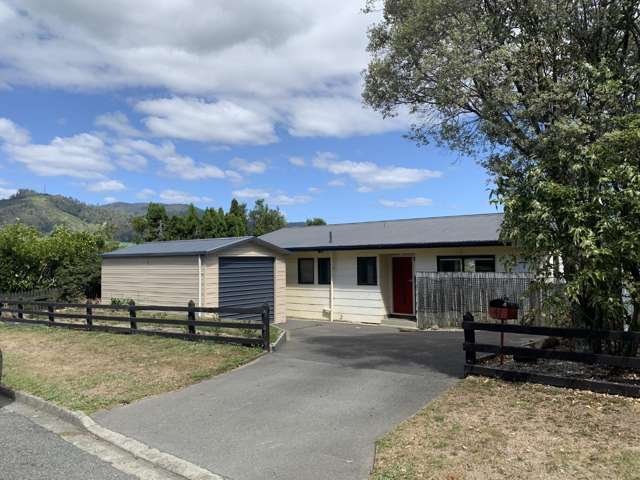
{"type": "Point", "coordinates": [159, 459]}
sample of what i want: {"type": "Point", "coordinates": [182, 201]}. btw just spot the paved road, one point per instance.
{"type": "Point", "coordinates": [313, 410]}
{"type": "Point", "coordinates": [29, 452]}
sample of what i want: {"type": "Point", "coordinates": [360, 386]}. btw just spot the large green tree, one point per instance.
{"type": "Point", "coordinates": [545, 93]}
{"type": "Point", "coordinates": [263, 219]}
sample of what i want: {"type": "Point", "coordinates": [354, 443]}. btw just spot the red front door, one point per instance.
{"type": "Point", "coordinates": [403, 285]}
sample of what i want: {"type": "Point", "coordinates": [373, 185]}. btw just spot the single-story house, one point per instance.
{"type": "Point", "coordinates": [358, 272]}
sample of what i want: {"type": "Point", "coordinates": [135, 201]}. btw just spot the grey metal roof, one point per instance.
{"type": "Point", "coordinates": [186, 247]}
{"type": "Point", "coordinates": [461, 230]}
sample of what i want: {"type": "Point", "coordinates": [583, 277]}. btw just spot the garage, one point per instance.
{"type": "Point", "coordinates": [247, 282]}
{"type": "Point", "coordinates": [216, 272]}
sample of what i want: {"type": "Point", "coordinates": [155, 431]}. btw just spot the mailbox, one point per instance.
{"type": "Point", "coordinates": [502, 309]}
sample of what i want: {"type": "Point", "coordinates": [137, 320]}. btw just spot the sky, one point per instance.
{"type": "Point", "coordinates": [182, 101]}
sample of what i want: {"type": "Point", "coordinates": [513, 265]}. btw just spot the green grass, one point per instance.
{"type": "Point", "coordinates": [90, 371]}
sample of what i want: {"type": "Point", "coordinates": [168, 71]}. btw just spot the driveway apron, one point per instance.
{"type": "Point", "coordinates": [312, 410]}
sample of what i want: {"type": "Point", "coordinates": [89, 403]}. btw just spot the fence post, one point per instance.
{"type": "Point", "coordinates": [469, 338]}
{"type": "Point", "coordinates": [132, 315]}
{"type": "Point", "coordinates": [191, 318]}
{"type": "Point", "coordinates": [52, 315]}
{"type": "Point", "coordinates": [266, 333]}
{"type": "Point", "coordinates": [20, 314]}
{"type": "Point", "coordinates": [89, 316]}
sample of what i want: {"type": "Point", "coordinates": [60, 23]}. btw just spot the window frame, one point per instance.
{"type": "Point", "coordinates": [327, 261]}
{"type": "Point", "coordinates": [462, 259]}
{"type": "Point", "coordinates": [375, 271]}
{"type": "Point", "coordinates": [301, 260]}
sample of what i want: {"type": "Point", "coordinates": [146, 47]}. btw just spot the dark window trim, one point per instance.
{"type": "Point", "coordinates": [463, 258]}
{"type": "Point", "coordinates": [328, 260]}
{"type": "Point", "coordinates": [313, 267]}
{"type": "Point", "coordinates": [375, 266]}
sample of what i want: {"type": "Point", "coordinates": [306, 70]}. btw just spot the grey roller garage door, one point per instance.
{"type": "Point", "coordinates": [246, 282]}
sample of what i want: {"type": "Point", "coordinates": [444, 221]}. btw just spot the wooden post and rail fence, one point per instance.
{"type": "Point", "coordinates": [48, 313]}
{"type": "Point", "coordinates": [473, 365]}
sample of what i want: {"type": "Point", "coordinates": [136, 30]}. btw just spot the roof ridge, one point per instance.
{"type": "Point", "coordinates": [194, 240]}
{"type": "Point", "coordinates": [394, 220]}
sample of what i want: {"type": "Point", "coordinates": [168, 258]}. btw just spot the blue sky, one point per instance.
{"type": "Point", "coordinates": [202, 102]}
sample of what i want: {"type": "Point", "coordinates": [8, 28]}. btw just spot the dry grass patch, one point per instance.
{"type": "Point", "coordinates": [90, 371]}
{"type": "Point", "coordinates": [484, 428]}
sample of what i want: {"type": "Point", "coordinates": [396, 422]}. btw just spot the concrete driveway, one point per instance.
{"type": "Point", "coordinates": [312, 410]}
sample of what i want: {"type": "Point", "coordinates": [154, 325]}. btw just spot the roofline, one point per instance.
{"type": "Point", "coordinates": [256, 240]}
{"type": "Point", "coordinates": [391, 220]}
{"type": "Point", "coordinates": [239, 241]}
{"type": "Point", "coordinates": [389, 246]}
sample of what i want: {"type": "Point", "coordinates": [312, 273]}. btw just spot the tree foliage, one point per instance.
{"type": "Point", "coordinates": [63, 259]}
{"type": "Point", "coordinates": [546, 93]}
{"type": "Point", "coordinates": [263, 219]}
{"type": "Point", "coordinates": [315, 221]}
{"type": "Point", "coordinates": [156, 225]}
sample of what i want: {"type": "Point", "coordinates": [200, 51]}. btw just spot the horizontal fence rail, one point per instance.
{"type": "Point", "coordinates": [471, 347]}
{"type": "Point", "coordinates": [48, 313]}
{"type": "Point", "coordinates": [444, 297]}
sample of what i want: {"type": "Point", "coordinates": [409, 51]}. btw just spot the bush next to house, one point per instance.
{"type": "Point", "coordinates": [63, 259]}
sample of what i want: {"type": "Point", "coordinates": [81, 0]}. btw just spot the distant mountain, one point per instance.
{"type": "Point", "coordinates": [45, 211]}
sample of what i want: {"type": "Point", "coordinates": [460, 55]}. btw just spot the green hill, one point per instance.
{"type": "Point", "coordinates": [45, 211]}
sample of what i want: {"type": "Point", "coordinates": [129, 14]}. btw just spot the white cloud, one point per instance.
{"type": "Point", "coordinates": [11, 133]}
{"type": "Point", "coordinates": [7, 192]}
{"type": "Point", "coordinates": [81, 156]}
{"type": "Point", "coordinates": [175, 164]}
{"type": "Point", "coordinates": [337, 117]}
{"type": "Point", "coordinates": [245, 166]}
{"type": "Point", "coordinates": [176, 196]}
{"type": "Point", "coordinates": [110, 199]}
{"type": "Point", "coordinates": [218, 122]}
{"type": "Point", "coordinates": [297, 161]}
{"type": "Point", "coordinates": [371, 176]}
{"type": "Point", "coordinates": [145, 194]}
{"type": "Point", "coordinates": [132, 163]}
{"type": "Point", "coordinates": [106, 186]}
{"type": "Point", "coordinates": [313, 190]}
{"type": "Point", "coordinates": [119, 123]}
{"type": "Point", "coordinates": [277, 198]}
{"type": "Point", "coordinates": [336, 183]}
{"type": "Point", "coordinates": [407, 202]}
{"type": "Point", "coordinates": [298, 63]}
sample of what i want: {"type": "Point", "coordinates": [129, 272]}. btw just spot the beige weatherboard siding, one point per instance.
{"type": "Point", "coordinates": [365, 303]}
{"type": "Point", "coordinates": [151, 280]}
{"type": "Point", "coordinates": [176, 279]}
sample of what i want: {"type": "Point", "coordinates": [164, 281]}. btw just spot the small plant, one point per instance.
{"type": "Point", "coordinates": [120, 302]}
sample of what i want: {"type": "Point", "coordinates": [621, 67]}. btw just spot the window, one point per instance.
{"type": "Point", "coordinates": [305, 271]}
{"type": "Point", "coordinates": [367, 271]}
{"type": "Point", "coordinates": [449, 264]}
{"type": "Point", "coordinates": [324, 271]}
{"type": "Point", "coordinates": [467, 264]}
{"type": "Point", "coordinates": [485, 264]}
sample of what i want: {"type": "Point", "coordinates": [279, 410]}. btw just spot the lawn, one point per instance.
{"type": "Point", "coordinates": [484, 428]}
{"type": "Point", "coordinates": [89, 371]}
